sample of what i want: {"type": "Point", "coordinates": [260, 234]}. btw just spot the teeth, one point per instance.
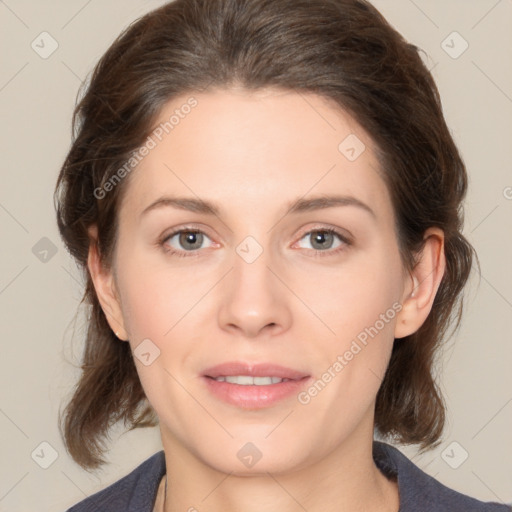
{"type": "Point", "coordinates": [247, 380]}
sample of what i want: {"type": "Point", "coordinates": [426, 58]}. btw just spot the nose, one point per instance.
{"type": "Point", "coordinates": [254, 301]}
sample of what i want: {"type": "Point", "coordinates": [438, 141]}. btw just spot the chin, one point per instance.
{"type": "Point", "coordinates": [242, 457]}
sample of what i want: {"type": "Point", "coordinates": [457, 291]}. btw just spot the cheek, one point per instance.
{"type": "Point", "coordinates": [155, 297]}
{"type": "Point", "coordinates": [354, 297]}
{"type": "Point", "coordinates": [360, 304]}
{"type": "Point", "coordinates": [154, 305]}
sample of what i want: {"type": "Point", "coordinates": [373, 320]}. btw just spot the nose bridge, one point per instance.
{"type": "Point", "coordinates": [253, 299]}
{"type": "Point", "coordinates": [251, 267]}
{"type": "Point", "coordinates": [252, 279]}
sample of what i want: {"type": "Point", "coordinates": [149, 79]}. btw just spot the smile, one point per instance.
{"type": "Point", "coordinates": [247, 380]}
{"type": "Point", "coordinates": [253, 385]}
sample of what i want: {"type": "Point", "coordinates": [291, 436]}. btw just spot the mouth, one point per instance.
{"type": "Point", "coordinates": [248, 380]}
{"type": "Point", "coordinates": [253, 386]}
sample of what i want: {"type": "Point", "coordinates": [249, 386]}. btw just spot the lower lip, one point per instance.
{"type": "Point", "coordinates": [254, 397]}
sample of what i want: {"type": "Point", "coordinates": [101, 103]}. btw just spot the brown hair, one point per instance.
{"type": "Point", "coordinates": [343, 50]}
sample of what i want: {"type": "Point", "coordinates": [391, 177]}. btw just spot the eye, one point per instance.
{"type": "Point", "coordinates": [186, 240]}
{"type": "Point", "coordinates": [322, 240]}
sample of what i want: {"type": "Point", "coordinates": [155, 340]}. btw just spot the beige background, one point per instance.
{"type": "Point", "coordinates": [38, 299]}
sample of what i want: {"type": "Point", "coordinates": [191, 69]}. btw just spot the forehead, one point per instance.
{"type": "Point", "coordinates": [254, 148]}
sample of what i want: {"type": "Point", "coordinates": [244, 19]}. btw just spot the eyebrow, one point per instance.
{"type": "Point", "coordinates": [300, 205]}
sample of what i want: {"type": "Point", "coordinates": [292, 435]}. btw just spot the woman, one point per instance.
{"type": "Point", "coordinates": [301, 149]}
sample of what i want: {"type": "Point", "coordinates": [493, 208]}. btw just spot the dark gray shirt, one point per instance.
{"type": "Point", "coordinates": [418, 491]}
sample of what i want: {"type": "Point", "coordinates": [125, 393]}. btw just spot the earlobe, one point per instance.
{"type": "Point", "coordinates": [425, 279]}
{"type": "Point", "coordinates": [104, 285]}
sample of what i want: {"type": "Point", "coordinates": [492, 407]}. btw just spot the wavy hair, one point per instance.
{"type": "Point", "coordinates": [342, 50]}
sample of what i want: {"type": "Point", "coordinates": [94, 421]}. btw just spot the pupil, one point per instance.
{"type": "Point", "coordinates": [320, 237]}
{"type": "Point", "coordinates": [189, 237]}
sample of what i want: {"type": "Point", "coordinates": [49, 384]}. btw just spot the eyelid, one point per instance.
{"type": "Point", "coordinates": [345, 237]}
{"type": "Point", "coordinates": [345, 243]}
{"type": "Point", "coordinates": [185, 227]}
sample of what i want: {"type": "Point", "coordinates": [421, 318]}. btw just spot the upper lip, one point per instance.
{"type": "Point", "coordinates": [254, 370]}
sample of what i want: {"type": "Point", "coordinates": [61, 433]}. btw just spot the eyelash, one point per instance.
{"type": "Point", "coordinates": [317, 253]}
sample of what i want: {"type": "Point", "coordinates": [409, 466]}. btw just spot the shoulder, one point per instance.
{"type": "Point", "coordinates": [419, 492]}
{"type": "Point", "coordinates": [135, 491]}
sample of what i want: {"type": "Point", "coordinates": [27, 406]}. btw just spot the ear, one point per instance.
{"type": "Point", "coordinates": [104, 285]}
{"type": "Point", "coordinates": [425, 278]}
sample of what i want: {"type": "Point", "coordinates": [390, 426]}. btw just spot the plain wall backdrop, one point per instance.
{"type": "Point", "coordinates": [47, 49]}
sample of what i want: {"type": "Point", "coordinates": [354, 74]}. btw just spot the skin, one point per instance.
{"type": "Point", "coordinates": [253, 153]}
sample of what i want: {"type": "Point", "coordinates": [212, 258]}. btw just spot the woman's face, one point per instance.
{"type": "Point", "coordinates": [262, 288]}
